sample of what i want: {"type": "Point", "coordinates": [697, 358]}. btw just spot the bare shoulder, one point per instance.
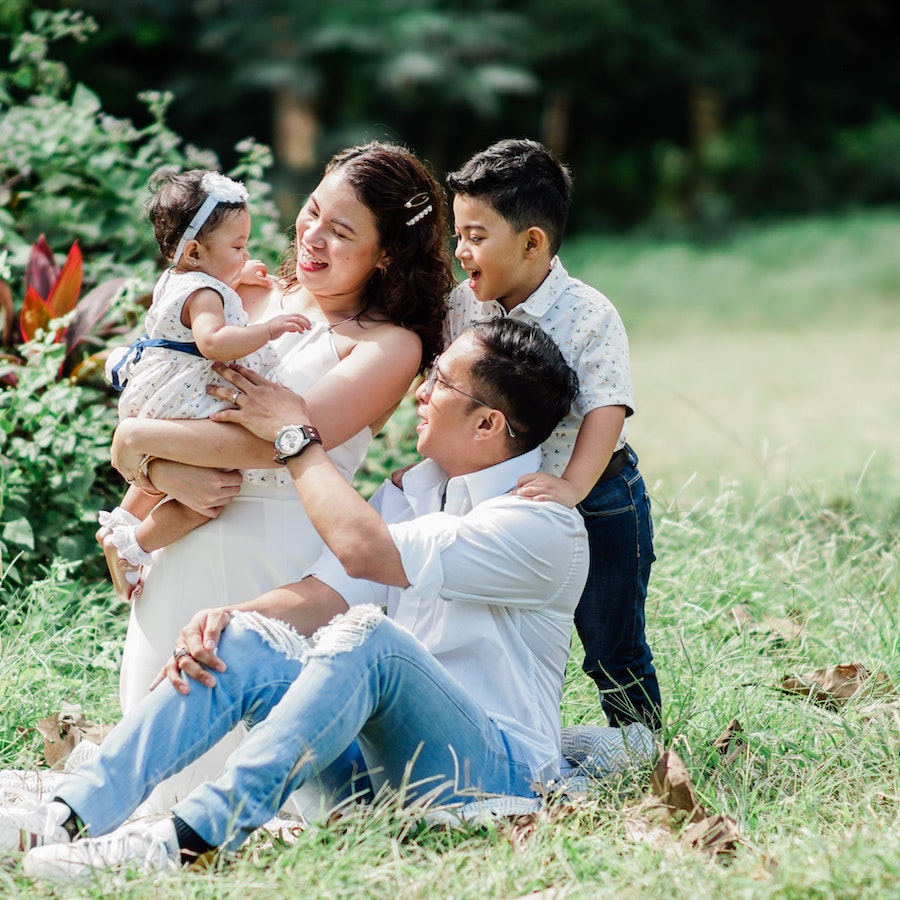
{"type": "Point", "coordinates": [383, 338]}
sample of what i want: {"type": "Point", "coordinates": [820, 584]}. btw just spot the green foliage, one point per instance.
{"type": "Point", "coordinates": [54, 467]}
{"type": "Point", "coordinates": [393, 448]}
{"type": "Point", "coordinates": [69, 170]}
{"type": "Point", "coordinates": [813, 791]}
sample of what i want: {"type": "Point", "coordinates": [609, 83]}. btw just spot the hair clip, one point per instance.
{"type": "Point", "coordinates": [418, 200]}
{"type": "Point", "coordinates": [420, 215]}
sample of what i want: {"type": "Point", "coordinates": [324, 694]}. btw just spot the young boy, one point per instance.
{"type": "Point", "coordinates": [510, 207]}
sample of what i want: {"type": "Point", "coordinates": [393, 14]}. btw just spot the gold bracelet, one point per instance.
{"type": "Point", "coordinates": [142, 477]}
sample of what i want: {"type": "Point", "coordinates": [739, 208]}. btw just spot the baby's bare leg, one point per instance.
{"type": "Point", "coordinates": [166, 523]}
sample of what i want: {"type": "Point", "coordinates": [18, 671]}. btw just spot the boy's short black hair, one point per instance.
{"type": "Point", "coordinates": [523, 182]}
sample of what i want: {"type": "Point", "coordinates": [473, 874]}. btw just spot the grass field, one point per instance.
{"type": "Point", "coordinates": [766, 373]}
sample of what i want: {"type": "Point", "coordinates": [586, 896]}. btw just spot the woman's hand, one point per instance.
{"type": "Point", "coordinates": [194, 654]}
{"type": "Point", "coordinates": [261, 406]}
{"type": "Point", "coordinates": [207, 491]}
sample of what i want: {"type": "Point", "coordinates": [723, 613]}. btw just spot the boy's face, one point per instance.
{"type": "Point", "coordinates": [497, 259]}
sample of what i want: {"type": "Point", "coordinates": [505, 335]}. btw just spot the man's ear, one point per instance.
{"type": "Point", "coordinates": [490, 422]}
{"type": "Point", "coordinates": [536, 242]}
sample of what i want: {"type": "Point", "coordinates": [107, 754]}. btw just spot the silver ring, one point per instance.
{"type": "Point", "coordinates": [234, 397]}
{"type": "Point", "coordinates": [179, 653]}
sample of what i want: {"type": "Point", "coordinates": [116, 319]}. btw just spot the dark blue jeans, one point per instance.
{"type": "Point", "coordinates": [610, 615]}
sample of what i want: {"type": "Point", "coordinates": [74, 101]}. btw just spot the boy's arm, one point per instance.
{"type": "Point", "coordinates": [594, 446]}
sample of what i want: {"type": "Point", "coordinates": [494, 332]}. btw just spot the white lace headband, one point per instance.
{"type": "Point", "coordinates": [219, 189]}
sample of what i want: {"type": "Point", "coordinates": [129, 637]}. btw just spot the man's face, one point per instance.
{"type": "Point", "coordinates": [449, 416]}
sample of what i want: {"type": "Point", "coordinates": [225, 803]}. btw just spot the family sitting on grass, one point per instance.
{"type": "Point", "coordinates": [424, 647]}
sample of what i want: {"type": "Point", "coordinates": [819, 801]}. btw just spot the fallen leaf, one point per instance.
{"type": "Point", "coordinates": [788, 629]}
{"type": "Point", "coordinates": [730, 743]}
{"type": "Point", "coordinates": [834, 685]}
{"type": "Point", "coordinates": [714, 834]}
{"type": "Point", "coordinates": [671, 782]}
{"type": "Point", "coordinates": [64, 730]}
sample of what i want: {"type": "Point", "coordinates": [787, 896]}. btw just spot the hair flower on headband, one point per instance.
{"type": "Point", "coordinates": [224, 189]}
{"type": "Point", "coordinates": [219, 189]}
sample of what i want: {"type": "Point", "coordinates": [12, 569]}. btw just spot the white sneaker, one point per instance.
{"type": "Point", "coordinates": [26, 822]}
{"type": "Point", "coordinates": [137, 848]}
{"type": "Point", "coordinates": [39, 782]}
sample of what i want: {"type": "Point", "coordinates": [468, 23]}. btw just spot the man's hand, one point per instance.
{"type": "Point", "coordinates": [540, 486]}
{"type": "Point", "coordinates": [263, 407]}
{"type": "Point", "coordinates": [199, 638]}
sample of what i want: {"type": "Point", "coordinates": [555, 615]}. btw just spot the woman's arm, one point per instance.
{"type": "Point", "coordinates": [356, 393]}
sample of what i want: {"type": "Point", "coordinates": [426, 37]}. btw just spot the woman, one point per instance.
{"type": "Point", "coordinates": [371, 271]}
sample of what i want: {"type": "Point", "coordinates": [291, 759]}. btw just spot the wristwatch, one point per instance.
{"type": "Point", "coordinates": [292, 440]}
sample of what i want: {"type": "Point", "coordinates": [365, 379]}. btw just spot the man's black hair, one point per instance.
{"type": "Point", "coordinates": [521, 372]}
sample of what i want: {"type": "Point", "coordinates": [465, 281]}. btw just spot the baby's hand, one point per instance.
{"type": "Point", "coordinates": [256, 273]}
{"type": "Point", "coordinates": [540, 486]}
{"type": "Point", "coordinates": [280, 325]}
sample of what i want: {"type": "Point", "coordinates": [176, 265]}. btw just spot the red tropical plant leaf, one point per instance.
{"type": "Point", "coordinates": [42, 270]}
{"type": "Point", "coordinates": [67, 287]}
{"type": "Point", "coordinates": [35, 315]}
{"type": "Point", "coordinates": [6, 305]}
{"type": "Point", "coordinates": [92, 307]}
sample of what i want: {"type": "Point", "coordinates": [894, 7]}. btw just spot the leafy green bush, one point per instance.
{"type": "Point", "coordinates": [54, 467]}
{"type": "Point", "coordinates": [70, 171]}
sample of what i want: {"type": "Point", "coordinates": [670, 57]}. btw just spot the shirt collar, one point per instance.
{"type": "Point", "coordinates": [548, 290]}
{"type": "Point", "coordinates": [428, 481]}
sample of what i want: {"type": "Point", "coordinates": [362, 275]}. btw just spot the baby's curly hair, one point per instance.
{"type": "Point", "coordinates": [175, 198]}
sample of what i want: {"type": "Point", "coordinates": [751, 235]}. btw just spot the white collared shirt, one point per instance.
{"type": "Point", "coordinates": [493, 584]}
{"type": "Point", "coordinates": [588, 331]}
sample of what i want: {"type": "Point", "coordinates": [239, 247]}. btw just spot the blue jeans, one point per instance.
{"type": "Point", "coordinates": [368, 698]}
{"type": "Point", "coordinates": [610, 615]}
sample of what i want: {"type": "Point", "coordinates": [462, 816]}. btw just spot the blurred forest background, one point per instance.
{"type": "Point", "coordinates": [670, 112]}
{"type": "Point", "coordinates": [737, 174]}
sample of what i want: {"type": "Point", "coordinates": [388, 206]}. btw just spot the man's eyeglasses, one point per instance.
{"type": "Point", "coordinates": [434, 376]}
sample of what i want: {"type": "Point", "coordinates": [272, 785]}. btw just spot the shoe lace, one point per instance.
{"type": "Point", "coordinates": [146, 850]}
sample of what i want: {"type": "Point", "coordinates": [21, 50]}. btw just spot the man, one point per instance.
{"type": "Point", "coordinates": [455, 695]}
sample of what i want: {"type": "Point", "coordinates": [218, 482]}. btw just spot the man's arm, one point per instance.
{"type": "Point", "coordinates": [351, 529]}
{"type": "Point", "coordinates": [305, 605]}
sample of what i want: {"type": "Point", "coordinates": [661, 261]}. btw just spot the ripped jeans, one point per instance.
{"type": "Point", "coordinates": [362, 706]}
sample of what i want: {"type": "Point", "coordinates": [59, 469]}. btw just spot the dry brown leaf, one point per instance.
{"type": "Point", "coordinates": [784, 629]}
{"type": "Point", "coordinates": [715, 834]}
{"type": "Point", "coordinates": [64, 730]}
{"type": "Point", "coordinates": [730, 743]}
{"type": "Point", "coordinates": [671, 782]}
{"type": "Point", "coordinates": [834, 685]}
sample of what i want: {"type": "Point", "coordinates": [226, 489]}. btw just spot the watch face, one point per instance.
{"type": "Point", "coordinates": [290, 441]}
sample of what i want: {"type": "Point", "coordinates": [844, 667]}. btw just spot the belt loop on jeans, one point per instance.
{"type": "Point", "coordinates": [617, 462]}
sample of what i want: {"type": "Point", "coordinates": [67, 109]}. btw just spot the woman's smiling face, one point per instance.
{"type": "Point", "coordinates": [338, 245]}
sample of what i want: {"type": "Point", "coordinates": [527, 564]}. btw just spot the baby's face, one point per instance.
{"type": "Point", "coordinates": [224, 252]}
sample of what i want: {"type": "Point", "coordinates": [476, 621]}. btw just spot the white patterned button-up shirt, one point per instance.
{"type": "Point", "coordinates": [588, 331]}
